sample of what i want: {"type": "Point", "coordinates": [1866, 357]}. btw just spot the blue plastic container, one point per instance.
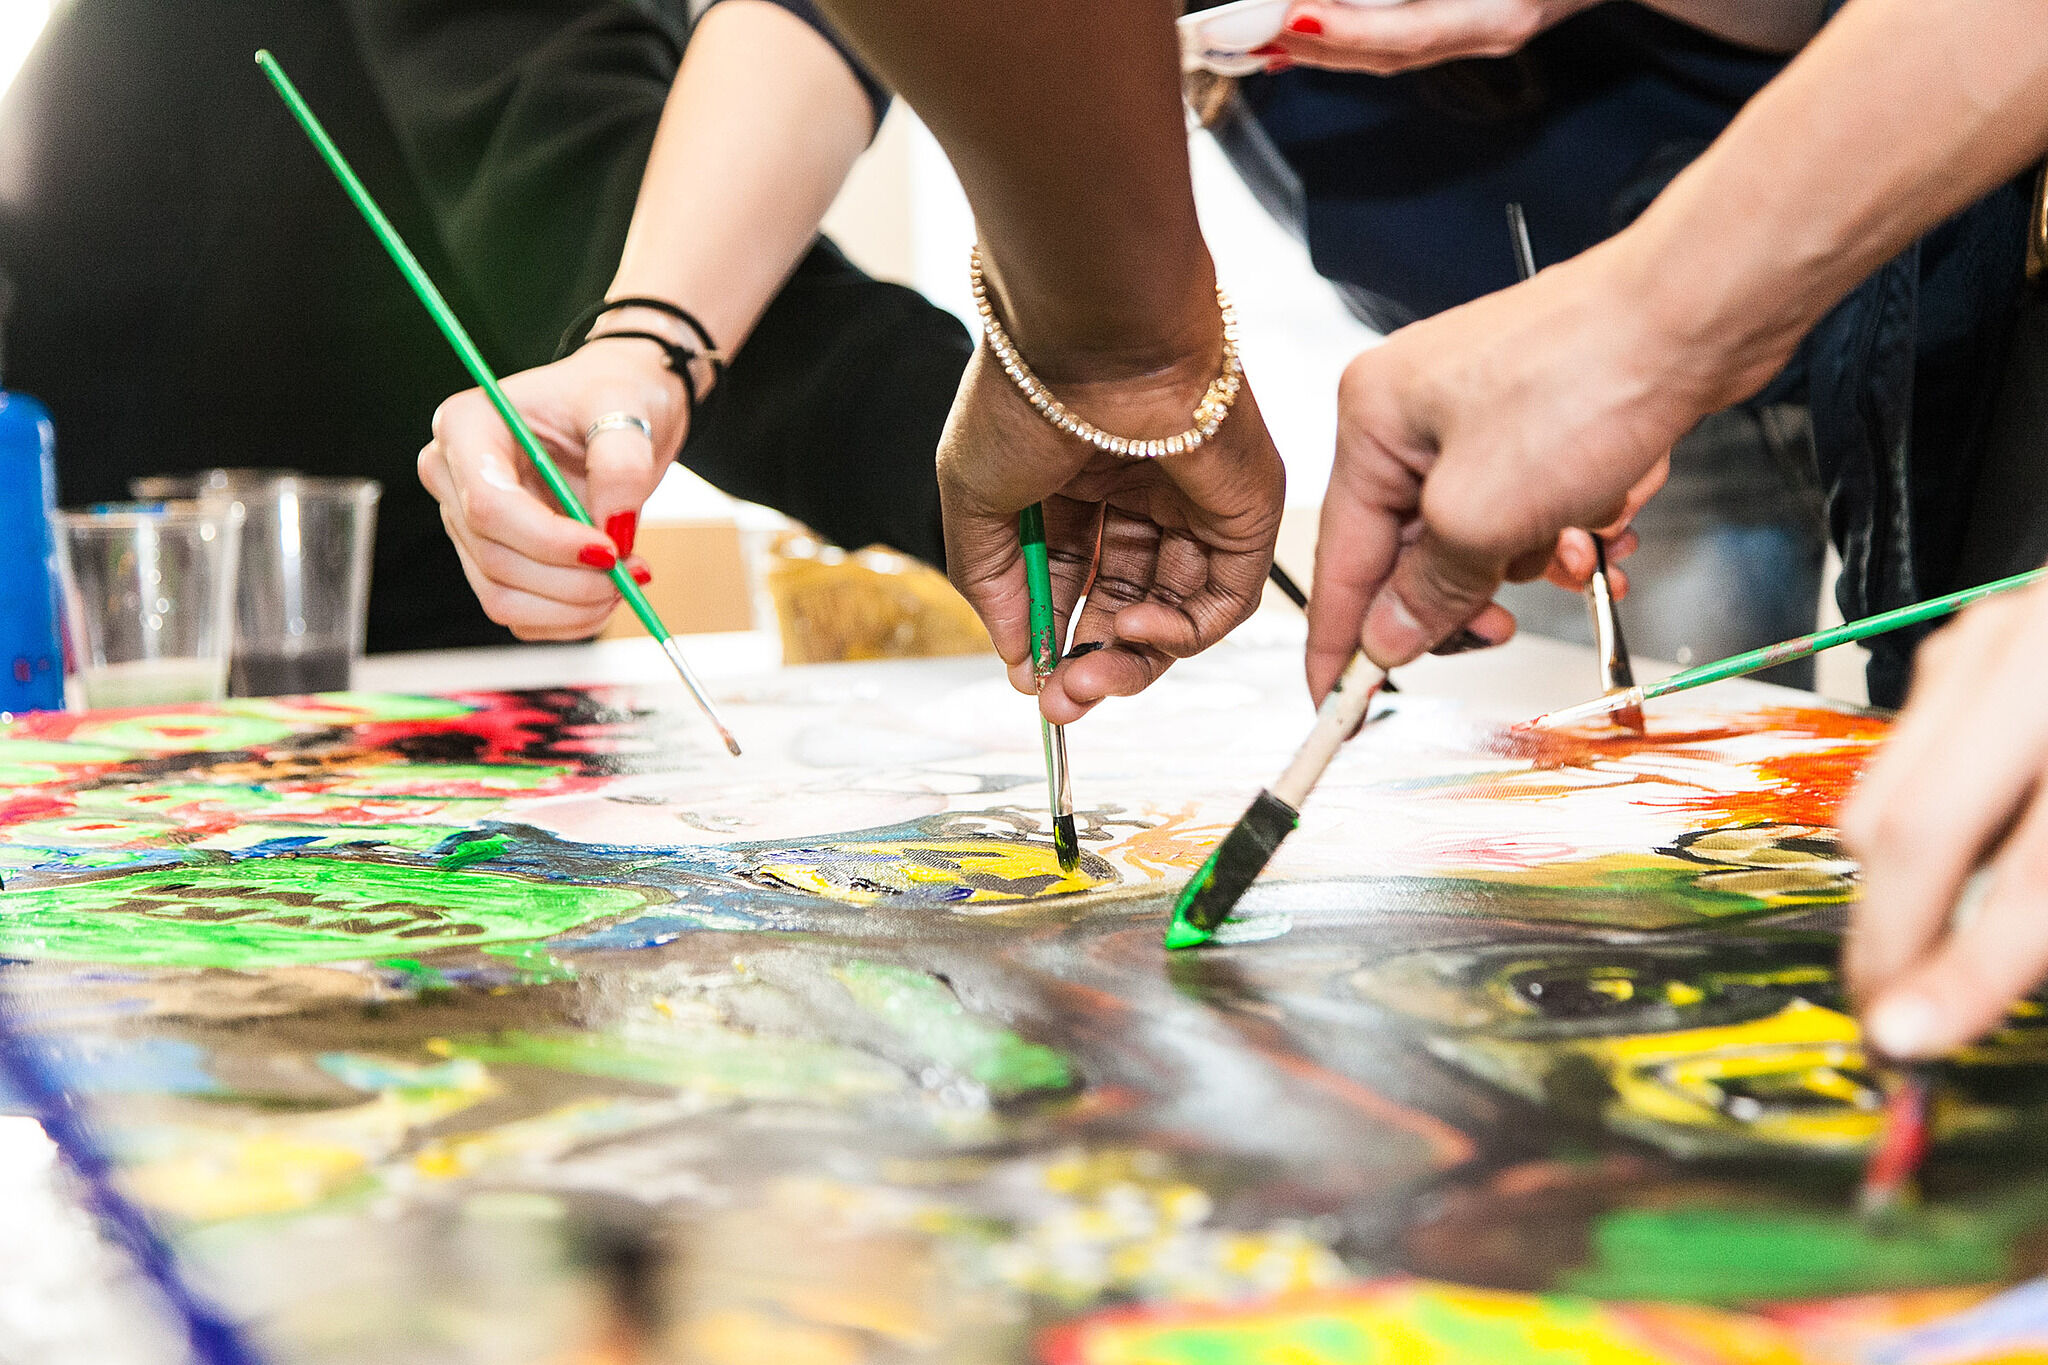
{"type": "Point", "coordinates": [31, 651]}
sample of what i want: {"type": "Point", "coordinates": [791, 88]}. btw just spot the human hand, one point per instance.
{"type": "Point", "coordinates": [1962, 782]}
{"type": "Point", "coordinates": [1386, 38]}
{"type": "Point", "coordinates": [534, 568]}
{"type": "Point", "coordinates": [1470, 442]}
{"type": "Point", "coordinates": [1171, 553]}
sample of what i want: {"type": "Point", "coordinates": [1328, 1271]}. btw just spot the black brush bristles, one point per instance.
{"type": "Point", "coordinates": [1230, 871]}
{"type": "Point", "coordinates": [1066, 842]}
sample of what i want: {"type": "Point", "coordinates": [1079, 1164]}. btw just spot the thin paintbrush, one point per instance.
{"type": "Point", "coordinates": [1906, 1131]}
{"type": "Point", "coordinates": [1289, 589]}
{"type": "Point", "coordinates": [1045, 657]}
{"type": "Point", "coordinates": [1215, 890]}
{"type": "Point", "coordinates": [1902, 1143]}
{"type": "Point", "coordinates": [1616, 672]}
{"type": "Point", "coordinates": [479, 370]}
{"type": "Point", "coordinates": [1752, 660]}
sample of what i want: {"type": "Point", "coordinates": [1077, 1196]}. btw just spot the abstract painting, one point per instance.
{"type": "Point", "coordinates": [529, 1027]}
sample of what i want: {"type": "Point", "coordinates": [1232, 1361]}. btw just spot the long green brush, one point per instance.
{"type": "Point", "coordinates": [1735, 665]}
{"type": "Point", "coordinates": [479, 370]}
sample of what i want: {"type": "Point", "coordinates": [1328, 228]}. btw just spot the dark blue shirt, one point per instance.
{"type": "Point", "coordinates": [1399, 184]}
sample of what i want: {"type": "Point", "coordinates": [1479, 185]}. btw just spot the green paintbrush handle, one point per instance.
{"type": "Point", "coordinates": [1045, 650]}
{"type": "Point", "coordinates": [452, 328]}
{"type": "Point", "coordinates": [1738, 664]}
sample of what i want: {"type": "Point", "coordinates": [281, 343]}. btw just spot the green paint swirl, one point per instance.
{"type": "Point", "coordinates": [269, 912]}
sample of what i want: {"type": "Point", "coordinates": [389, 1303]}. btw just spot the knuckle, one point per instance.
{"type": "Point", "coordinates": [485, 512]}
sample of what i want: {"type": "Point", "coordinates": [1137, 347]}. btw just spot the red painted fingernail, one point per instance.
{"type": "Point", "coordinates": [1305, 23]}
{"type": "Point", "coordinates": [1278, 65]}
{"type": "Point", "coordinates": [1269, 50]}
{"type": "Point", "coordinates": [642, 575]}
{"type": "Point", "coordinates": [622, 527]}
{"type": "Point", "coordinates": [597, 556]}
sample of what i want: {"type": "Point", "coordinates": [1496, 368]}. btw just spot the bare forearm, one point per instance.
{"type": "Point", "coordinates": [1766, 25]}
{"type": "Point", "coordinates": [757, 137]}
{"type": "Point", "coordinates": [1897, 116]}
{"type": "Point", "coordinates": [1063, 120]}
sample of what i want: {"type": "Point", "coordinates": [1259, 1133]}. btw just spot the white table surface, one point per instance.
{"type": "Point", "coordinates": [1528, 675]}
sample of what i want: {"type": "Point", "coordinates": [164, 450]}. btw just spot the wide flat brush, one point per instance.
{"type": "Point", "coordinates": [1750, 661]}
{"type": "Point", "coordinates": [479, 369]}
{"type": "Point", "coordinates": [1215, 891]}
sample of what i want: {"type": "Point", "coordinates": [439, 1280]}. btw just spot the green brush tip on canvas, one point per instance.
{"type": "Point", "coordinates": [1273, 814]}
{"type": "Point", "coordinates": [479, 369]}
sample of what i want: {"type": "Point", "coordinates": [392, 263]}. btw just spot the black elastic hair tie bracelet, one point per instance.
{"type": "Point", "coordinates": [679, 355]}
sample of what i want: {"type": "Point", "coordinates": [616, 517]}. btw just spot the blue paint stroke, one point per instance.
{"type": "Point", "coordinates": [2008, 1323]}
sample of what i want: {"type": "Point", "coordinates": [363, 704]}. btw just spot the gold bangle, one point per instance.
{"type": "Point", "coordinates": [1209, 413]}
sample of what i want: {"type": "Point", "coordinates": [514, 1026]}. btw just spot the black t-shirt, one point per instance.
{"type": "Point", "coordinates": [195, 290]}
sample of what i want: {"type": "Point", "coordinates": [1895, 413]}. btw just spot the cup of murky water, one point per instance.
{"type": "Point", "coordinates": [305, 579]}
{"type": "Point", "coordinates": [149, 601]}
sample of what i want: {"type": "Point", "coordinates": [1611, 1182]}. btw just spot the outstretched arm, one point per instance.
{"type": "Point", "coordinates": [1063, 120]}
{"type": "Point", "coordinates": [1469, 440]}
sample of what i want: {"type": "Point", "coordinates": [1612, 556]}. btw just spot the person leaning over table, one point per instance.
{"type": "Point", "coordinates": [1398, 187]}
{"type": "Point", "coordinates": [1390, 144]}
{"type": "Point", "coordinates": [195, 290]}
{"type": "Point", "coordinates": [1874, 178]}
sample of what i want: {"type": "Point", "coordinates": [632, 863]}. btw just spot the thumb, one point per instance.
{"type": "Point", "coordinates": [1435, 588]}
{"type": "Point", "coordinates": [620, 472]}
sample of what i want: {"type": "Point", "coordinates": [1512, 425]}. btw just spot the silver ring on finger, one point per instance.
{"type": "Point", "coordinates": [619, 421]}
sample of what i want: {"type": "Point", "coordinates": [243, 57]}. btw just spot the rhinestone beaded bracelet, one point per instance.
{"type": "Point", "coordinates": [1209, 413]}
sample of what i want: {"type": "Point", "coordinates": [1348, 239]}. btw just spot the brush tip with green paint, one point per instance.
{"type": "Point", "coordinates": [1215, 891]}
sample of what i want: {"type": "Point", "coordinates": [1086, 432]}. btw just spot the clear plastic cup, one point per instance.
{"type": "Point", "coordinates": [305, 580]}
{"type": "Point", "coordinates": [149, 600]}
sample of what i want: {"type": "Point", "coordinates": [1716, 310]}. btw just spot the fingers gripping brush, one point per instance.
{"type": "Point", "coordinates": [1045, 657]}
{"type": "Point", "coordinates": [1216, 889]}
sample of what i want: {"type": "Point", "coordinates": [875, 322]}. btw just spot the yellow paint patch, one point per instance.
{"type": "Point", "coordinates": [1424, 1323]}
{"type": "Point", "coordinates": [736, 1336]}
{"type": "Point", "coordinates": [967, 871]}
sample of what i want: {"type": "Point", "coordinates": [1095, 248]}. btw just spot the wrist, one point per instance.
{"type": "Point", "coordinates": [1720, 322]}
{"type": "Point", "coordinates": [710, 353]}
{"type": "Point", "coordinates": [1141, 346]}
{"type": "Point", "coordinates": [1137, 385]}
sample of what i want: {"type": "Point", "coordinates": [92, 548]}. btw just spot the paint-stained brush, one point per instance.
{"type": "Point", "coordinates": [1903, 1139]}
{"type": "Point", "coordinates": [1215, 890]}
{"type": "Point", "coordinates": [1750, 661]}
{"type": "Point", "coordinates": [1045, 657]}
{"type": "Point", "coordinates": [1616, 673]}
{"type": "Point", "coordinates": [480, 370]}
{"type": "Point", "coordinates": [1906, 1131]}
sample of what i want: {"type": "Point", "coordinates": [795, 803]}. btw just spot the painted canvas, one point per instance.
{"type": "Point", "coordinates": [518, 1027]}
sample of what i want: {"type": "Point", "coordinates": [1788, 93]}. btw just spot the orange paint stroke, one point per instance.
{"type": "Point", "coordinates": [1175, 842]}
{"type": "Point", "coordinates": [1799, 788]}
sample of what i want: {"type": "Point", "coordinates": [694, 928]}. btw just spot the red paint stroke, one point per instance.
{"type": "Point", "coordinates": [32, 805]}
{"type": "Point", "coordinates": [1800, 788]}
